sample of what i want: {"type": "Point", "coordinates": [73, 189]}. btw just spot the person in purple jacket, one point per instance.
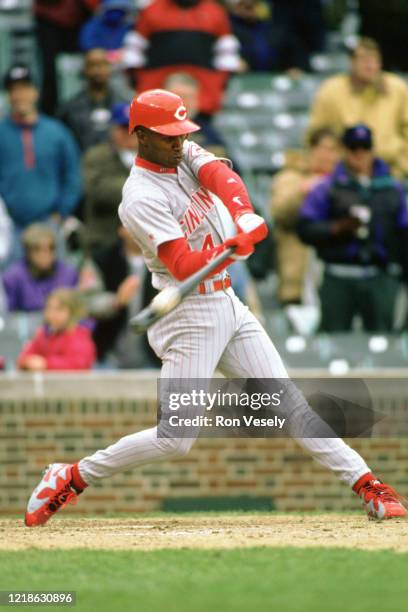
{"type": "Point", "coordinates": [29, 281]}
{"type": "Point", "coordinates": [357, 219]}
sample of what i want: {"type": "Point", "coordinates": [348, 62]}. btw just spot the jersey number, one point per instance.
{"type": "Point", "coordinates": [208, 243]}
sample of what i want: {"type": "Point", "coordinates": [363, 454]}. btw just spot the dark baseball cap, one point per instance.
{"type": "Point", "coordinates": [19, 73]}
{"type": "Point", "coordinates": [120, 114]}
{"type": "Point", "coordinates": [358, 136]}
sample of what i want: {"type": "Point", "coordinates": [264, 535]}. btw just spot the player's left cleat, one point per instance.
{"type": "Point", "coordinates": [51, 494]}
{"type": "Point", "coordinates": [381, 501]}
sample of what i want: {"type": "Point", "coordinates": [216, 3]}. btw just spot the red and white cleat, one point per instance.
{"type": "Point", "coordinates": [381, 501]}
{"type": "Point", "coordinates": [50, 495]}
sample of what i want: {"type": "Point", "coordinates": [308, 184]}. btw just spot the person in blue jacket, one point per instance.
{"type": "Point", "coordinates": [107, 28]}
{"type": "Point", "coordinates": [40, 177]}
{"type": "Point", "coordinates": [357, 219]}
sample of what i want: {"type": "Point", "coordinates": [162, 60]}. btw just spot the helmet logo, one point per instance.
{"type": "Point", "coordinates": [181, 113]}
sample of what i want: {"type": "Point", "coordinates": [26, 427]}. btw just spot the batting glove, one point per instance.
{"type": "Point", "coordinates": [253, 225]}
{"type": "Point", "coordinates": [242, 244]}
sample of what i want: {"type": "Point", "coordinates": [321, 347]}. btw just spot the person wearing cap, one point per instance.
{"type": "Point", "coordinates": [105, 169]}
{"type": "Point", "coordinates": [368, 94]}
{"type": "Point", "coordinates": [107, 28]}
{"type": "Point", "coordinates": [87, 114]}
{"type": "Point", "coordinates": [357, 219]}
{"type": "Point", "coordinates": [39, 161]}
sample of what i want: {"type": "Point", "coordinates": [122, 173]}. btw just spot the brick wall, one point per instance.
{"type": "Point", "coordinates": [54, 418]}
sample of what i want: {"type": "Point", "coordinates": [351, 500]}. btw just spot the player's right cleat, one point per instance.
{"type": "Point", "coordinates": [51, 494]}
{"type": "Point", "coordinates": [381, 501]}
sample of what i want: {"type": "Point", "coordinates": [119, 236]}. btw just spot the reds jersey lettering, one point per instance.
{"type": "Point", "coordinates": [160, 206]}
{"type": "Point", "coordinates": [201, 204]}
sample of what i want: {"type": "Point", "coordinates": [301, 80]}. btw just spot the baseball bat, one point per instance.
{"type": "Point", "coordinates": [170, 297]}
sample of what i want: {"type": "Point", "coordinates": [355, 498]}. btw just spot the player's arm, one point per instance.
{"type": "Point", "coordinates": [226, 184]}
{"type": "Point", "coordinates": [182, 262]}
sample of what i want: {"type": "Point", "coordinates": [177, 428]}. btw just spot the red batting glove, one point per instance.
{"type": "Point", "coordinates": [252, 225]}
{"type": "Point", "coordinates": [242, 244]}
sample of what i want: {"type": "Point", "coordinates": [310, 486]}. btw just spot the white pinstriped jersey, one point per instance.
{"type": "Point", "coordinates": [158, 207]}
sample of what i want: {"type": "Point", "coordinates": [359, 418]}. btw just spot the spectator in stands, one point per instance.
{"type": "Point", "coordinates": [357, 219]}
{"type": "Point", "coordinates": [188, 88]}
{"type": "Point", "coordinates": [368, 94]}
{"type": "Point", "coordinates": [117, 285]}
{"type": "Point", "coordinates": [107, 28]}
{"type": "Point", "coordinates": [105, 168]}
{"type": "Point", "coordinates": [192, 36]}
{"type": "Point", "coordinates": [57, 27]}
{"type": "Point", "coordinates": [88, 113]}
{"type": "Point", "coordinates": [39, 160]}
{"type": "Point", "coordinates": [252, 24]}
{"type": "Point", "coordinates": [301, 173]}
{"type": "Point", "coordinates": [374, 14]}
{"type": "Point", "coordinates": [300, 30]}
{"type": "Point", "coordinates": [61, 344]}
{"type": "Point", "coordinates": [27, 283]}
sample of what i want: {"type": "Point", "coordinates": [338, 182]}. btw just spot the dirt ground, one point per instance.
{"type": "Point", "coordinates": [208, 532]}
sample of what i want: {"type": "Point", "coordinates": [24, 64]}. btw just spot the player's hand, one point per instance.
{"type": "Point", "coordinates": [253, 225]}
{"type": "Point", "coordinates": [242, 244]}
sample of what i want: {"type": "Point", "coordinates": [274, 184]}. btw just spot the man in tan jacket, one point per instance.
{"type": "Point", "coordinates": [291, 185]}
{"type": "Point", "coordinates": [370, 95]}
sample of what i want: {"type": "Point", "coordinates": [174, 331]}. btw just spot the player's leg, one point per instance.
{"type": "Point", "coordinates": [190, 342]}
{"type": "Point", "coordinates": [251, 354]}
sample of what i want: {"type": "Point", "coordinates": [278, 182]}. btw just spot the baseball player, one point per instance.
{"type": "Point", "coordinates": [172, 205]}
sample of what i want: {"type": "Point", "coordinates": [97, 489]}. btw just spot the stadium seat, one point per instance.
{"type": "Point", "coordinates": [15, 330]}
{"type": "Point", "coordinates": [275, 93]}
{"type": "Point", "coordinates": [330, 63]}
{"type": "Point", "coordinates": [69, 68]}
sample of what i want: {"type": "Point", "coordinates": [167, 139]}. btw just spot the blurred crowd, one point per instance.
{"type": "Point", "coordinates": [337, 206]}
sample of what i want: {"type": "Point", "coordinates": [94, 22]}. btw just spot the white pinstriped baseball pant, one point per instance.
{"type": "Point", "coordinates": [205, 332]}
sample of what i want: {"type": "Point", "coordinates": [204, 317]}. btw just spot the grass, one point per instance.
{"type": "Point", "coordinates": [240, 580]}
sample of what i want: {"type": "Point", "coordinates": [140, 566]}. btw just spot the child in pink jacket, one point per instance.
{"type": "Point", "coordinates": [61, 344]}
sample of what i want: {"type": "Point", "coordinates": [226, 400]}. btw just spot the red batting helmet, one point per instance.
{"type": "Point", "coordinates": [161, 111]}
